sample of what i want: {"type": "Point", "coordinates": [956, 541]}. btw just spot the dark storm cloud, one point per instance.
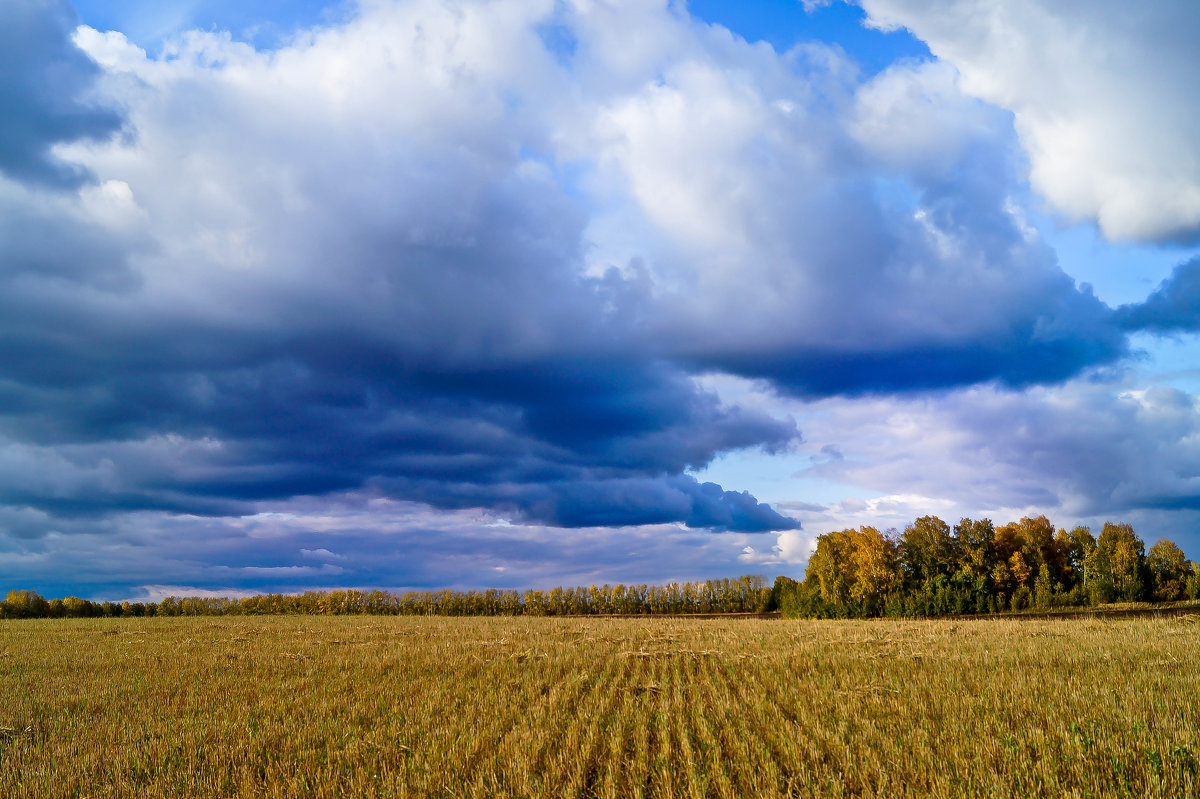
{"type": "Point", "coordinates": [471, 374]}
{"type": "Point", "coordinates": [606, 502]}
{"type": "Point", "coordinates": [567, 452]}
{"type": "Point", "coordinates": [1023, 362]}
{"type": "Point", "coordinates": [44, 84]}
{"type": "Point", "coordinates": [1173, 307]}
{"type": "Point", "coordinates": [111, 404]}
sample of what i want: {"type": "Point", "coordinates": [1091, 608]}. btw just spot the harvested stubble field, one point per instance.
{"type": "Point", "coordinates": [370, 706]}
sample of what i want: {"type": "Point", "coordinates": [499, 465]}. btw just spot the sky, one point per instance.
{"type": "Point", "coordinates": [412, 294]}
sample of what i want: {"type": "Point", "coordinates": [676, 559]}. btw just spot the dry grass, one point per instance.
{"type": "Point", "coordinates": [362, 706]}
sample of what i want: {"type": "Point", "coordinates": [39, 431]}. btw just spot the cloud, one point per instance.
{"type": "Point", "coordinates": [46, 92]}
{"type": "Point", "coordinates": [380, 543]}
{"type": "Point", "coordinates": [1172, 307]}
{"type": "Point", "coordinates": [1085, 450]}
{"type": "Point", "coordinates": [320, 553]}
{"type": "Point", "coordinates": [157, 593]}
{"type": "Point", "coordinates": [814, 251]}
{"type": "Point", "coordinates": [405, 316]}
{"type": "Point", "coordinates": [1095, 89]}
{"type": "Point", "coordinates": [425, 255]}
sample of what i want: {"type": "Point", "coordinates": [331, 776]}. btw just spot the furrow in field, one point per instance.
{"type": "Point", "coordinates": [567, 766]}
{"type": "Point", "coordinates": [746, 744]}
{"type": "Point", "coordinates": [645, 779]}
{"type": "Point", "coordinates": [704, 728]}
{"type": "Point", "coordinates": [545, 701]}
{"type": "Point", "coordinates": [776, 731]}
{"type": "Point", "coordinates": [692, 782]}
{"type": "Point", "coordinates": [665, 765]}
{"type": "Point", "coordinates": [620, 751]}
{"type": "Point", "coordinates": [537, 764]}
{"type": "Point", "coordinates": [851, 727]}
{"type": "Point", "coordinates": [628, 741]}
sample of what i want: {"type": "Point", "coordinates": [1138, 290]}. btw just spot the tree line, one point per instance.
{"type": "Point", "coordinates": [929, 569]}
{"type": "Point", "coordinates": [933, 569]}
{"type": "Point", "coordinates": [747, 594]}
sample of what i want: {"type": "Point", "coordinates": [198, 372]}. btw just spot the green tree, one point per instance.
{"type": "Point", "coordinates": [1043, 589]}
{"type": "Point", "coordinates": [976, 545]}
{"type": "Point", "coordinates": [1117, 567]}
{"type": "Point", "coordinates": [1076, 546]}
{"type": "Point", "coordinates": [1191, 584]}
{"type": "Point", "coordinates": [1169, 570]}
{"type": "Point", "coordinates": [927, 549]}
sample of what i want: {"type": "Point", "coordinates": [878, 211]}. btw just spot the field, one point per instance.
{"type": "Point", "coordinates": [384, 706]}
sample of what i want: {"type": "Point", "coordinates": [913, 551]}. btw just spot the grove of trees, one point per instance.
{"type": "Point", "coordinates": [932, 569]}
{"type": "Point", "coordinates": [748, 594]}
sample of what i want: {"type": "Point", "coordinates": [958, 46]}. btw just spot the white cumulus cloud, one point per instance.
{"type": "Point", "coordinates": [1101, 91]}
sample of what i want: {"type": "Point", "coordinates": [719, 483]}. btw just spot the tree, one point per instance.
{"type": "Point", "coordinates": [1117, 567]}
{"type": "Point", "coordinates": [854, 571]}
{"type": "Point", "coordinates": [784, 595]}
{"type": "Point", "coordinates": [927, 550]}
{"type": "Point", "coordinates": [1032, 537]}
{"type": "Point", "coordinates": [1020, 571]}
{"type": "Point", "coordinates": [24, 605]}
{"type": "Point", "coordinates": [1098, 582]}
{"type": "Point", "coordinates": [976, 546]}
{"type": "Point", "coordinates": [1169, 570]}
{"type": "Point", "coordinates": [976, 562]}
{"type": "Point", "coordinates": [1128, 561]}
{"type": "Point", "coordinates": [876, 569]}
{"type": "Point", "coordinates": [828, 568]}
{"type": "Point", "coordinates": [1039, 546]}
{"type": "Point", "coordinates": [1002, 584]}
{"type": "Point", "coordinates": [1043, 589]}
{"type": "Point", "coordinates": [1076, 546]}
